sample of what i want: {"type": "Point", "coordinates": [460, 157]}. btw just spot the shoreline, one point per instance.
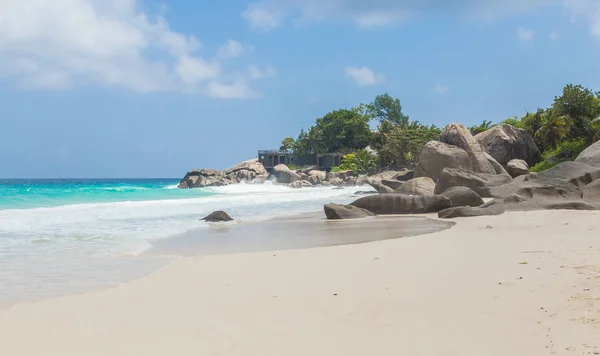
{"type": "Point", "coordinates": [519, 283]}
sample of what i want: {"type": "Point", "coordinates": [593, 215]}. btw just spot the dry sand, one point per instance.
{"type": "Point", "coordinates": [525, 283]}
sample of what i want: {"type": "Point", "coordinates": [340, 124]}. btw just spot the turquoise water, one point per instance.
{"type": "Point", "coordinates": [58, 235]}
{"type": "Point", "coordinates": [36, 193]}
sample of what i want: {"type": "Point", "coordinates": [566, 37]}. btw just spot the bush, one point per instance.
{"type": "Point", "coordinates": [293, 167]}
{"type": "Point", "coordinates": [565, 151]}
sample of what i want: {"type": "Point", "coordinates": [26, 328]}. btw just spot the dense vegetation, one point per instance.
{"type": "Point", "coordinates": [561, 132]}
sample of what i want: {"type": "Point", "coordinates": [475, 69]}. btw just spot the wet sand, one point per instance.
{"type": "Point", "coordinates": [295, 232]}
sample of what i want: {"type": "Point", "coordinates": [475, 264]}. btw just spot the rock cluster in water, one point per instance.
{"type": "Point", "coordinates": [452, 177]}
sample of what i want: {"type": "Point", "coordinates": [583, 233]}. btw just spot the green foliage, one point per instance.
{"type": "Point", "coordinates": [287, 144]}
{"type": "Point", "coordinates": [513, 121]}
{"type": "Point", "coordinates": [555, 127]}
{"type": "Point", "coordinates": [581, 106]}
{"type": "Point", "coordinates": [344, 130]}
{"type": "Point", "coordinates": [403, 147]}
{"type": "Point", "coordinates": [565, 151]}
{"type": "Point", "coordinates": [365, 162]}
{"type": "Point", "coordinates": [310, 142]}
{"type": "Point", "coordinates": [293, 167]}
{"type": "Point", "coordinates": [386, 108]}
{"type": "Point", "coordinates": [348, 163]}
{"type": "Point", "coordinates": [484, 126]}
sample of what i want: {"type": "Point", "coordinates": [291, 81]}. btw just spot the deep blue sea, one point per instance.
{"type": "Point", "coordinates": [78, 233]}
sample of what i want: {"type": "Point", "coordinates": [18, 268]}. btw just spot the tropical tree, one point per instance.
{"type": "Point", "coordinates": [344, 130]}
{"type": "Point", "coordinates": [484, 126]}
{"type": "Point", "coordinates": [554, 128]}
{"type": "Point", "coordinates": [387, 108]}
{"type": "Point", "coordinates": [287, 144]}
{"type": "Point", "coordinates": [365, 162]}
{"type": "Point", "coordinates": [582, 106]}
{"type": "Point", "coordinates": [404, 146]}
{"type": "Point", "coordinates": [310, 142]}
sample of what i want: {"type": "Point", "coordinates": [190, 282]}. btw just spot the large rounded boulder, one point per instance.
{"type": "Point", "coordinates": [506, 142]}
{"type": "Point", "coordinates": [590, 155]}
{"type": "Point", "coordinates": [437, 155]}
{"type": "Point", "coordinates": [284, 175]}
{"type": "Point", "coordinates": [459, 136]}
{"type": "Point", "coordinates": [402, 204]}
{"type": "Point", "coordinates": [463, 196]}
{"type": "Point", "coordinates": [339, 212]}
{"type": "Point", "coordinates": [417, 186]}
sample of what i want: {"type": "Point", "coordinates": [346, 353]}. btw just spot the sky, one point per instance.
{"type": "Point", "coordinates": [143, 88]}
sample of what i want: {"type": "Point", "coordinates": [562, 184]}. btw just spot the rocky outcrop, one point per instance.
{"type": "Point", "coordinates": [463, 196]}
{"type": "Point", "coordinates": [497, 166]}
{"type": "Point", "coordinates": [417, 186]}
{"type": "Point", "coordinates": [392, 183]}
{"type": "Point", "coordinates": [316, 177]}
{"type": "Point", "coordinates": [436, 156]}
{"type": "Point", "coordinates": [284, 175]}
{"type": "Point", "coordinates": [247, 171]}
{"type": "Point", "coordinates": [468, 211]}
{"type": "Point", "coordinates": [459, 136]}
{"type": "Point", "coordinates": [337, 212]}
{"type": "Point", "coordinates": [517, 167]}
{"type": "Point", "coordinates": [217, 216]}
{"type": "Point", "coordinates": [591, 192]}
{"type": "Point", "coordinates": [341, 175]}
{"type": "Point", "coordinates": [590, 155]}
{"type": "Point", "coordinates": [402, 204]}
{"type": "Point", "coordinates": [505, 143]}
{"type": "Point", "coordinates": [577, 173]}
{"type": "Point", "coordinates": [480, 183]}
{"type": "Point", "coordinates": [379, 187]}
{"type": "Point", "coordinates": [405, 175]}
{"type": "Point", "coordinates": [300, 184]}
{"type": "Point", "coordinates": [534, 186]}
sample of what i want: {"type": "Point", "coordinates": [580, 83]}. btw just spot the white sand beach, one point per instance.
{"type": "Point", "coordinates": [522, 283]}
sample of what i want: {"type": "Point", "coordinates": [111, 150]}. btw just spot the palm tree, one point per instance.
{"type": "Point", "coordinates": [365, 162]}
{"type": "Point", "coordinates": [313, 141]}
{"type": "Point", "coordinates": [554, 128]}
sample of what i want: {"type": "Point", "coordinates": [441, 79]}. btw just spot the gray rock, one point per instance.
{"type": "Point", "coordinates": [284, 175]}
{"type": "Point", "coordinates": [402, 204]}
{"type": "Point", "coordinates": [591, 192]}
{"type": "Point", "coordinates": [379, 187]}
{"type": "Point", "coordinates": [590, 155]}
{"type": "Point", "coordinates": [300, 184]}
{"type": "Point", "coordinates": [316, 177]}
{"type": "Point", "coordinates": [505, 143]}
{"type": "Point", "coordinates": [459, 136]}
{"type": "Point", "coordinates": [497, 166]}
{"type": "Point", "coordinates": [336, 181]}
{"type": "Point", "coordinates": [405, 175]}
{"type": "Point", "coordinates": [436, 156]}
{"type": "Point", "coordinates": [417, 186]}
{"type": "Point", "coordinates": [479, 183]}
{"type": "Point", "coordinates": [534, 186]}
{"type": "Point", "coordinates": [463, 196]}
{"type": "Point", "coordinates": [517, 167]}
{"type": "Point", "coordinates": [337, 211]}
{"type": "Point", "coordinates": [217, 216]}
{"type": "Point", "coordinates": [362, 179]}
{"type": "Point", "coordinates": [350, 182]}
{"type": "Point", "coordinates": [341, 175]}
{"type": "Point", "coordinates": [464, 211]}
{"type": "Point", "coordinates": [577, 173]}
{"type": "Point", "coordinates": [392, 183]}
{"type": "Point", "coordinates": [247, 171]}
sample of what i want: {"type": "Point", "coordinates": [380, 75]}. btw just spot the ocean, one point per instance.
{"type": "Point", "coordinates": [72, 235]}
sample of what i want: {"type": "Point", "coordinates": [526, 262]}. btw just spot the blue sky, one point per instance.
{"type": "Point", "coordinates": [139, 88]}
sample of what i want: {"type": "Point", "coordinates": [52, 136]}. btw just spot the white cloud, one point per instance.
{"type": "Point", "coordinates": [192, 70]}
{"type": "Point", "coordinates": [441, 89]}
{"type": "Point", "coordinates": [257, 73]}
{"type": "Point", "coordinates": [269, 14]}
{"type": "Point", "coordinates": [525, 34]}
{"type": "Point", "coordinates": [231, 49]}
{"type": "Point", "coordinates": [262, 18]}
{"type": "Point", "coordinates": [60, 44]}
{"type": "Point", "coordinates": [235, 90]}
{"type": "Point", "coordinates": [364, 76]}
